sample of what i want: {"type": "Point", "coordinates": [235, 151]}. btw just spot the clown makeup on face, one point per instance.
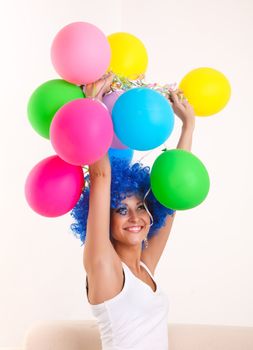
{"type": "Point", "coordinates": [130, 222]}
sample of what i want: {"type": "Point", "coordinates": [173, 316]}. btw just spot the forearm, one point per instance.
{"type": "Point", "coordinates": [102, 167]}
{"type": "Point", "coordinates": [185, 140]}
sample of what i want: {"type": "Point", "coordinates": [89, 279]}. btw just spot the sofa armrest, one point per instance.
{"type": "Point", "coordinates": [63, 335]}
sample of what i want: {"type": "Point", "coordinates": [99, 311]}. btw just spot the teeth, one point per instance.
{"type": "Point", "coordinates": [134, 229]}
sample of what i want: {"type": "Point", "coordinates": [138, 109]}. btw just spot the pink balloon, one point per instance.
{"type": "Point", "coordinates": [53, 187]}
{"type": "Point", "coordinates": [81, 131]}
{"type": "Point", "coordinates": [80, 53]}
{"type": "Point", "coordinates": [109, 101]}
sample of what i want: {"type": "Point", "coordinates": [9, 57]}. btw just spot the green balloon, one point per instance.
{"type": "Point", "coordinates": [179, 180]}
{"type": "Point", "coordinates": [47, 99]}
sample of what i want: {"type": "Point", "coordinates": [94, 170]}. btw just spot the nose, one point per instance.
{"type": "Point", "coordinates": [133, 217]}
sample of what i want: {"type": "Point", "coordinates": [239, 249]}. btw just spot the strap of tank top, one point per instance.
{"type": "Point", "coordinates": [145, 266]}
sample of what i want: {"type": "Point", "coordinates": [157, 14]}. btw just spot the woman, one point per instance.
{"type": "Point", "coordinates": [130, 308]}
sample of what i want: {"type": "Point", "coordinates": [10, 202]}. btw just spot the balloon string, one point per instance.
{"type": "Point", "coordinates": [151, 217]}
{"type": "Point", "coordinates": [145, 155]}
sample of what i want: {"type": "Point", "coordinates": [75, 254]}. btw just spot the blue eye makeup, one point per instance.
{"type": "Point", "coordinates": [121, 210]}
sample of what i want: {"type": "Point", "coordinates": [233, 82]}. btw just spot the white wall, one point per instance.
{"type": "Point", "coordinates": [206, 267]}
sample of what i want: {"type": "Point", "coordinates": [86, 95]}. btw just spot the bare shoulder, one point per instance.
{"type": "Point", "coordinates": [105, 279]}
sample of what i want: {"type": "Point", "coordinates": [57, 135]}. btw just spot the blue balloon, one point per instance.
{"type": "Point", "coordinates": [143, 118]}
{"type": "Point", "coordinates": [126, 153]}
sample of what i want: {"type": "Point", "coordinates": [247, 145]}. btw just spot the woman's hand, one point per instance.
{"type": "Point", "coordinates": [99, 87]}
{"type": "Point", "coordinates": [185, 112]}
{"type": "Point", "coordinates": [182, 109]}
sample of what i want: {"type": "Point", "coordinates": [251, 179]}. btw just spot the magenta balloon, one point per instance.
{"type": "Point", "coordinates": [109, 101]}
{"type": "Point", "coordinates": [81, 131]}
{"type": "Point", "coordinates": [53, 187]}
{"type": "Point", "coordinates": [80, 53]}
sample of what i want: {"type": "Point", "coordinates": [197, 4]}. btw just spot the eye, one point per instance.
{"type": "Point", "coordinates": [122, 210]}
{"type": "Point", "coordinates": [141, 207]}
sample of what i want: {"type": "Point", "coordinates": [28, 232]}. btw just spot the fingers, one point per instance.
{"type": "Point", "coordinates": [174, 98]}
{"type": "Point", "coordinates": [111, 77]}
{"type": "Point", "coordinates": [177, 97]}
{"type": "Point", "coordinates": [108, 75]}
{"type": "Point", "coordinates": [185, 102]}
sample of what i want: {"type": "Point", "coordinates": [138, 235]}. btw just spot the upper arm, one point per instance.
{"type": "Point", "coordinates": [156, 244]}
{"type": "Point", "coordinates": [104, 281]}
{"type": "Point", "coordinates": [98, 246]}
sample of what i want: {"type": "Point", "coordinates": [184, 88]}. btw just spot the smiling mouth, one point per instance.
{"type": "Point", "coordinates": [134, 229]}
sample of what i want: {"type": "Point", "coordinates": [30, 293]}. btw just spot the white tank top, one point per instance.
{"type": "Point", "coordinates": [136, 318]}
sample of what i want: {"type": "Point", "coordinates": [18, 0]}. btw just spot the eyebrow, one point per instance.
{"type": "Point", "coordinates": [136, 203]}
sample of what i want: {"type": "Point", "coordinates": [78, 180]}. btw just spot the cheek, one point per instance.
{"type": "Point", "coordinates": [146, 217]}
{"type": "Point", "coordinates": [116, 222]}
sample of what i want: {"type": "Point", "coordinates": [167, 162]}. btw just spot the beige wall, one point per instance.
{"type": "Point", "coordinates": [206, 267]}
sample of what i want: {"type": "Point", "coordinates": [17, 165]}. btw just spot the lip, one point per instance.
{"type": "Point", "coordinates": [133, 227]}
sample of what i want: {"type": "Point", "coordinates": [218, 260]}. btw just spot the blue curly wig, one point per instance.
{"type": "Point", "coordinates": [126, 180]}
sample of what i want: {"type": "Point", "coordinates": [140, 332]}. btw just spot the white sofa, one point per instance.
{"type": "Point", "coordinates": [84, 335]}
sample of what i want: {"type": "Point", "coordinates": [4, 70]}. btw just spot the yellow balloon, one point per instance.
{"type": "Point", "coordinates": [207, 90]}
{"type": "Point", "coordinates": [129, 56]}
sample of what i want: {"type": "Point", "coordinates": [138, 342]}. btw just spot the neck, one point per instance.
{"type": "Point", "coordinates": [131, 256]}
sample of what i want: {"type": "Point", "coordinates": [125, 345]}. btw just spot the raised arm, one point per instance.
{"type": "Point", "coordinates": [157, 243]}
{"type": "Point", "coordinates": [98, 223]}
{"type": "Point", "coordinates": [98, 246]}
{"type": "Point", "coordinates": [185, 112]}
